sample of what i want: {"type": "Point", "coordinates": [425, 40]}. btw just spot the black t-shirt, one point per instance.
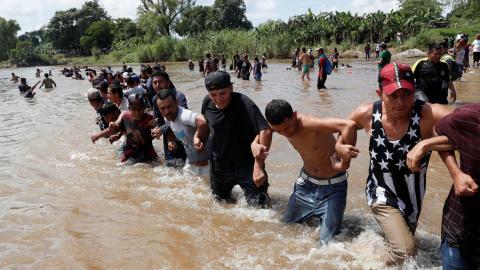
{"type": "Point", "coordinates": [23, 88]}
{"type": "Point", "coordinates": [429, 78]}
{"type": "Point", "coordinates": [101, 122]}
{"type": "Point", "coordinates": [239, 63]}
{"type": "Point", "coordinates": [246, 67]}
{"type": "Point", "coordinates": [233, 129]}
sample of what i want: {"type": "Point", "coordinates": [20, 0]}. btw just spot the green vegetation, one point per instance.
{"type": "Point", "coordinates": [177, 30]}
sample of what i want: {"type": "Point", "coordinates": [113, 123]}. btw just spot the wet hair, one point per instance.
{"type": "Point", "coordinates": [277, 110]}
{"type": "Point", "coordinates": [256, 59]}
{"type": "Point", "coordinates": [23, 80]}
{"type": "Point", "coordinates": [103, 86]}
{"type": "Point", "coordinates": [303, 49]}
{"type": "Point", "coordinates": [434, 46]}
{"type": "Point", "coordinates": [130, 80]}
{"type": "Point", "coordinates": [208, 55]}
{"type": "Point", "coordinates": [149, 70]}
{"type": "Point", "coordinates": [46, 75]}
{"type": "Point", "coordinates": [108, 108]}
{"type": "Point", "coordinates": [165, 93]}
{"type": "Point", "coordinates": [444, 45]}
{"type": "Point", "coordinates": [116, 89]}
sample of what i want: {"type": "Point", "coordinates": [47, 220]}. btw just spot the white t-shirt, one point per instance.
{"type": "Point", "coordinates": [476, 45]}
{"type": "Point", "coordinates": [184, 129]}
{"type": "Point", "coordinates": [124, 105]}
{"type": "Point", "coordinates": [459, 57]}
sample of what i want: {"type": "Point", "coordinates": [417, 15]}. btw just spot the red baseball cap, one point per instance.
{"type": "Point", "coordinates": [396, 76]}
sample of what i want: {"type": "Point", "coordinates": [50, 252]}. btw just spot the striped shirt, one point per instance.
{"type": "Point", "coordinates": [461, 215]}
{"type": "Point", "coordinates": [390, 182]}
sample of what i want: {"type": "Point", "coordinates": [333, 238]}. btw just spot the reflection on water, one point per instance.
{"type": "Point", "coordinates": [68, 203]}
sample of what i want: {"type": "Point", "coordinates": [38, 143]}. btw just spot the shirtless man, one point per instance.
{"type": "Point", "coordinates": [305, 59]}
{"type": "Point", "coordinates": [395, 124]}
{"type": "Point", "coordinates": [14, 78]}
{"type": "Point", "coordinates": [321, 189]}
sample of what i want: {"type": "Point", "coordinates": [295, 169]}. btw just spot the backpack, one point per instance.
{"type": "Point", "coordinates": [328, 65]}
{"type": "Point", "coordinates": [455, 72]}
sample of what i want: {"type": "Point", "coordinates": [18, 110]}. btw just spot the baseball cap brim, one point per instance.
{"type": "Point", "coordinates": [403, 84]}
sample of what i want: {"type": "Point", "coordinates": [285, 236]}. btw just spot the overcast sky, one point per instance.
{"type": "Point", "coordinates": [33, 14]}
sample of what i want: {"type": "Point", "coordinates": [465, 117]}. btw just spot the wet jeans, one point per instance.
{"type": "Point", "coordinates": [451, 258]}
{"type": "Point", "coordinates": [326, 202]}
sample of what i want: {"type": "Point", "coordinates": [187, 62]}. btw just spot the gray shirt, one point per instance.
{"type": "Point", "coordinates": [184, 129]}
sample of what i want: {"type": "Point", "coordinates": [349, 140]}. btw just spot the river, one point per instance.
{"type": "Point", "coordinates": [66, 203]}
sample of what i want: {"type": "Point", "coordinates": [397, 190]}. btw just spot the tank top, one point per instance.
{"type": "Point", "coordinates": [390, 181]}
{"type": "Point", "coordinates": [210, 66]}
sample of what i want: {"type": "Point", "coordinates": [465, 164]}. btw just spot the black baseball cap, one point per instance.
{"type": "Point", "coordinates": [216, 80]}
{"type": "Point", "coordinates": [135, 100]}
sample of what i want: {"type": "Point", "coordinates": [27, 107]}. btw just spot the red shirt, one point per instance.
{"type": "Point", "coordinates": [461, 215]}
{"type": "Point", "coordinates": [322, 63]}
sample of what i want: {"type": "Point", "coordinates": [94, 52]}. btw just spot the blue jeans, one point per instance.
{"type": "Point", "coordinates": [326, 202]}
{"type": "Point", "coordinates": [258, 77]}
{"type": "Point", "coordinates": [452, 259]}
{"type": "Point", "coordinates": [246, 76]}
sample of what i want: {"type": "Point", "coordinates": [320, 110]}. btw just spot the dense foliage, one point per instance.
{"type": "Point", "coordinates": [174, 30]}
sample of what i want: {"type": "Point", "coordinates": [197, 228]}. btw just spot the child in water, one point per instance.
{"type": "Point", "coordinates": [191, 66]}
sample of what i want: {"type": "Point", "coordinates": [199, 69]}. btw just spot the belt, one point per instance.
{"type": "Point", "coordinates": [203, 163]}
{"type": "Point", "coordinates": [324, 182]}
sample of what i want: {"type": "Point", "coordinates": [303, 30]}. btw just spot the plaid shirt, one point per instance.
{"type": "Point", "coordinates": [48, 83]}
{"type": "Point", "coordinates": [461, 215]}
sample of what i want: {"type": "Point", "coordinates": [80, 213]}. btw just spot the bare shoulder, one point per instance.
{"type": "Point", "coordinates": [362, 115]}
{"type": "Point", "coordinates": [434, 112]}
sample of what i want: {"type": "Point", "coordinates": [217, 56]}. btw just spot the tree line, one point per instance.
{"type": "Point", "coordinates": [191, 28]}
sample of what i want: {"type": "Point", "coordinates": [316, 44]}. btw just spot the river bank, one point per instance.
{"type": "Point", "coordinates": [72, 60]}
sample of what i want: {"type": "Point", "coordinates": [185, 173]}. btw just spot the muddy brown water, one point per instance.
{"type": "Point", "coordinates": [66, 203]}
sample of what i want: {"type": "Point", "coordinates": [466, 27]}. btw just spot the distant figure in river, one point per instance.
{"type": "Point", "coordinates": [385, 56]}
{"type": "Point", "coordinates": [264, 60]}
{"type": "Point", "coordinates": [14, 78]}
{"type": "Point", "coordinates": [322, 64]}
{"type": "Point", "coordinates": [321, 187]}
{"type": "Point", "coordinates": [335, 56]}
{"type": "Point", "coordinates": [37, 74]}
{"type": "Point", "coordinates": [257, 70]}
{"type": "Point", "coordinates": [191, 66]}
{"type": "Point", "coordinates": [367, 51]}
{"type": "Point", "coordinates": [26, 89]}
{"type": "Point", "coordinates": [49, 83]}
{"type": "Point", "coordinates": [304, 58]}
{"type": "Point", "coordinates": [224, 63]}
{"type": "Point", "coordinates": [200, 65]}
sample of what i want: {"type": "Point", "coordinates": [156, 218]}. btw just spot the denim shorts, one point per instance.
{"type": "Point", "coordinates": [326, 202]}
